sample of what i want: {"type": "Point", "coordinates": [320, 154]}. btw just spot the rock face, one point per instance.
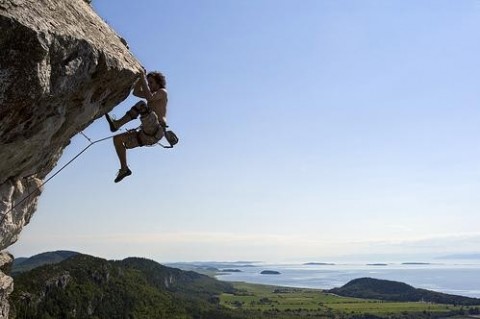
{"type": "Point", "coordinates": [6, 283]}
{"type": "Point", "coordinates": [61, 67]}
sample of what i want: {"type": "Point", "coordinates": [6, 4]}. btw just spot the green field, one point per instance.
{"type": "Point", "coordinates": [281, 302]}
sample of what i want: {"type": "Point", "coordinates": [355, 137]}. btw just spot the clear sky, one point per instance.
{"type": "Point", "coordinates": [309, 130]}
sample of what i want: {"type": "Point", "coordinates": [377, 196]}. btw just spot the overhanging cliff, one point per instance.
{"type": "Point", "coordinates": [61, 67]}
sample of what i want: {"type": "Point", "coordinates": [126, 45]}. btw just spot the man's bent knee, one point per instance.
{"type": "Point", "coordinates": [139, 108]}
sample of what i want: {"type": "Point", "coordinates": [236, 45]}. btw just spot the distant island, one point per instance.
{"type": "Point", "coordinates": [270, 272]}
{"type": "Point", "coordinates": [377, 264]}
{"type": "Point", "coordinates": [318, 264]}
{"type": "Point", "coordinates": [231, 270]}
{"type": "Point", "coordinates": [415, 263]}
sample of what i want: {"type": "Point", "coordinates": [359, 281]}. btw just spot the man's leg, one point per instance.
{"type": "Point", "coordinates": [118, 142]}
{"type": "Point", "coordinates": [131, 114]}
{"type": "Point", "coordinates": [121, 143]}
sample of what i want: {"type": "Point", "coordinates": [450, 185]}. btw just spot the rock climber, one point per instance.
{"type": "Point", "coordinates": [151, 87]}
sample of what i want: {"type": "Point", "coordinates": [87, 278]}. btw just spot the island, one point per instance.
{"type": "Point", "coordinates": [318, 264]}
{"type": "Point", "coordinates": [270, 272]}
{"type": "Point", "coordinates": [231, 270]}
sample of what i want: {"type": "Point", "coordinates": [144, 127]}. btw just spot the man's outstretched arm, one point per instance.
{"type": "Point", "coordinates": [144, 86]}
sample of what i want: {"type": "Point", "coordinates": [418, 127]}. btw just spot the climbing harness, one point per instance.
{"type": "Point", "coordinates": [151, 126]}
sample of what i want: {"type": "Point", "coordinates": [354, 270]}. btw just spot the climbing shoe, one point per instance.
{"type": "Point", "coordinates": [122, 173]}
{"type": "Point", "coordinates": [111, 123]}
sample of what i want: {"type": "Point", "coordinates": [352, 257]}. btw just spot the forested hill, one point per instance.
{"type": "Point", "coordinates": [88, 287]}
{"type": "Point", "coordinates": [52, 257]}
{"type": "Point", "coordinates": [370, 288]}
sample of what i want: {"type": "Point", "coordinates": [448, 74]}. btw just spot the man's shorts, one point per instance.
{"type": "Point", "coordinates": [136, 138]}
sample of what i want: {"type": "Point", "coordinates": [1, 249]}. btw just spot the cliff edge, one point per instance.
{"type": "Point", "coordinates": [61, 67]}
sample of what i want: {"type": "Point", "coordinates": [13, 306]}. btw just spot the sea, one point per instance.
{"type": "Point", "coordinates": [452, 278]}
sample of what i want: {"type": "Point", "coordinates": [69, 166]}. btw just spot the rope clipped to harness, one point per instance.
{"type": "Point", "coordinates": [170, 136]}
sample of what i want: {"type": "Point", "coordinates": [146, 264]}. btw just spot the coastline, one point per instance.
{"type": "Point", "coordinates": [456, 279]}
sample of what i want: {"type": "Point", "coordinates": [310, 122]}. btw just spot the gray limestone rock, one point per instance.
{"type": "Point", "coordinates": [6, 284]}
{"type": "Point", "coordinates": [61, 67]}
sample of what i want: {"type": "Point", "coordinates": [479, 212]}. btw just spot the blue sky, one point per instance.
{"type": "Point", "coordinates": [308, 130]}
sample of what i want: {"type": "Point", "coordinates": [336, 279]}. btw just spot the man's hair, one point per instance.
{"type": "Point", "coordinates": [159, 78]}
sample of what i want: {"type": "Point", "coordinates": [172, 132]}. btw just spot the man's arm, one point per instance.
{"type": "Point", "coordinates": [144, 86]}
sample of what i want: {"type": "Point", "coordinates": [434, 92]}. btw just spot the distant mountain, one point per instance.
{"type": "Point", "coordinates": [370, 288]}
{"type": "Point", "coordinates": [83, 286]}
{"type": "Point", "coordinates": [23, 264]}
{"type": "Point", "coordinates": [18, 260]}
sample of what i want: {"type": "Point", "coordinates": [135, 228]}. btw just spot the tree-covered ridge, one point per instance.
{"type": "Point", "coordinates": [52, 257]}
{"type": "Point", "coordinates": [89, 287]}
{"type": "Point", "coordinates": [370, 288]}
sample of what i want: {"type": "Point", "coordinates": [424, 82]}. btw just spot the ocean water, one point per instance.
{"type": "Point", "coordinates": [457, 279]}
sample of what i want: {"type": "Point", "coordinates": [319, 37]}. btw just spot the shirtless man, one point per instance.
{"type": "Point", "coordinates": [152, 116]}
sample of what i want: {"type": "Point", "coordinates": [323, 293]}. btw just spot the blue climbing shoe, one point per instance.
{"type": "Point", "coordinates": [111, 123]}
{"type": "Point", "coordinates": [122, 173]}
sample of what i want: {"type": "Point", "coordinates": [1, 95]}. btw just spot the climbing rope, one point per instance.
{"type": "Point", "coordinates": [55, 174]}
